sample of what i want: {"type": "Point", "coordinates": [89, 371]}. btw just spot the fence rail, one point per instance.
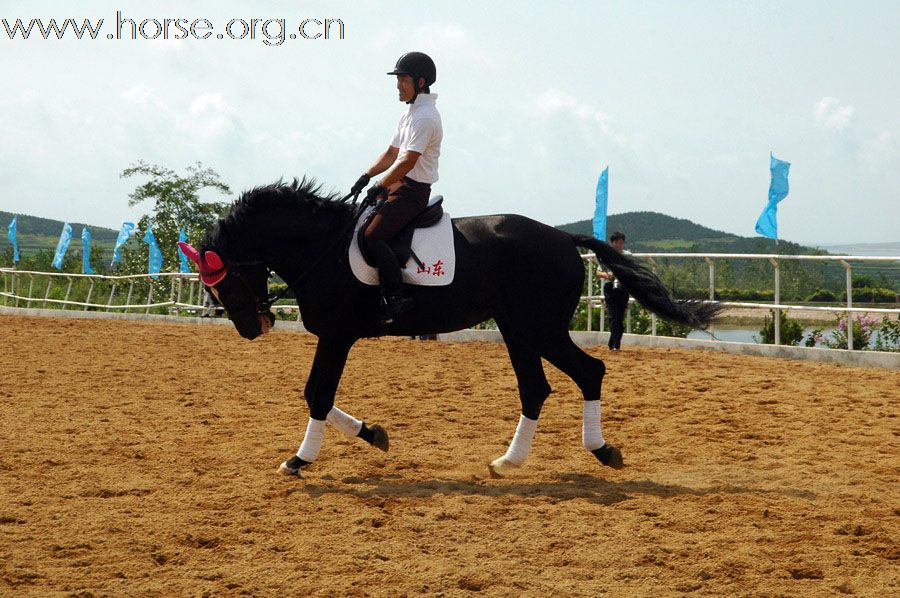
{"type": "Point", "coordinates": [191, 297]}
{"type": "Point", "coordinates": [593, 301]}
{"type": "Point", "coordinates": [184, 291]}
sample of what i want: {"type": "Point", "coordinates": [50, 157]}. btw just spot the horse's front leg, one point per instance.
{"type": "Point", "coordinates": [321, 387]}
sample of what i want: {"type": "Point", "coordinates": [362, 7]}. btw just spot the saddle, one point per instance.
{"type": "Point", "coordinates": [401, 243]}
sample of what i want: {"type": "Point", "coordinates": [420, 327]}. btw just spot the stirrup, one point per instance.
{"type": "Point", "coordinates": [394, 306]}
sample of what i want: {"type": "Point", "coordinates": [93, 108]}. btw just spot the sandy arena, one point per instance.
{"type": "Point", "coordinates": [139, 459]}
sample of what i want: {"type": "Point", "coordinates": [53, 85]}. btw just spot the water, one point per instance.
{"type": "Point", "coordinates": [737, 334]}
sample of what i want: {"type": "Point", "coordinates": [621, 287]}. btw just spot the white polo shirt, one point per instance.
{"type": "Point", "coordinates": [420, 130]}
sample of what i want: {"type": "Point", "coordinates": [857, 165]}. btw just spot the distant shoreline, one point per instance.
{"type": "Point", "coordinates": [746, 316]}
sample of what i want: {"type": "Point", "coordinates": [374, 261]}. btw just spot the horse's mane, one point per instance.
{"type": "Point", "coordinates": [303, 195]}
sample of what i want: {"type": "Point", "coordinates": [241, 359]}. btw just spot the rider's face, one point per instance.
{"type": "Point", "coordinates": [619, 244]}
{"type": "Point", "coordinates": [405, 87]}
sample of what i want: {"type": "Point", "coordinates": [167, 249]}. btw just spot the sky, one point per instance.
{"type": "Point", "coordinates": [683, 101]}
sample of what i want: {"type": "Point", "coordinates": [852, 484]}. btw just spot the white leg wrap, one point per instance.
{"type": "Point", "coordinates": [591, 434]}
{"type": "Point", "coordinates": [344, 422]}
{"type": "Point", "coordinates": [521, 443]}
{"type": "Point", "coordinates": [312, 440]}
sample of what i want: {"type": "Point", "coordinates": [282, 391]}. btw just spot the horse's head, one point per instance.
{"type": "Point", "coordinates": [241, 288]}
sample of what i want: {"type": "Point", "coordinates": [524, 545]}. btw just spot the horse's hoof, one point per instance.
{"type": "Point", "coordinates": [292, 466]}
{"type": "Point", "coordinates": [501, 466]}
{"type": "Point", "coordinates": [284, 469]}
{"type": "Point", "coordinates": [609, 456]}
{"type": "Point", "coordinates": [380, 437]}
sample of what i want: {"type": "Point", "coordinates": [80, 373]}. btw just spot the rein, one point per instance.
{"type": "Point", "coordinates": [344, 237]}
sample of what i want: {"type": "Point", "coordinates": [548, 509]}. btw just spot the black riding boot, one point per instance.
{"type": "Point", "coordinates": [394, 302]}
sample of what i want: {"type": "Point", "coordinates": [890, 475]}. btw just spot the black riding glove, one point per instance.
{"type": "Point", "coordinates": [360, 184]}
{"type": "Point", "coordinates": [375, 193]}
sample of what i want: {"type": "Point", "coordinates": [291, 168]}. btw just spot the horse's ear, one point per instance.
{"type": "Point", "coordinates": [191, 253]}
{"type": "Point", "coordinates": [216, 268]}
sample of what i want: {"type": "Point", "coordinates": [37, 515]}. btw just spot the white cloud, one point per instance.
{"type": "Point", "coordinates": [829, 114]}
{"type": "Point", "coordinates": [138, 94]}
{"type": "Point", "coordinates": [553, 101]}
{"type": "Point", "coordinates": [880, 153]}
{"type": "Point", "coordinates": [211, 116]}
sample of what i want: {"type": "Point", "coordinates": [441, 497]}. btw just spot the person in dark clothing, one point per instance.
{"type": "Point", "coordinates": [616, 297]}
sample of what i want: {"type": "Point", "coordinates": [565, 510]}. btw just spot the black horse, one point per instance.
{"type": "Point", "coordinates": [525, 275]}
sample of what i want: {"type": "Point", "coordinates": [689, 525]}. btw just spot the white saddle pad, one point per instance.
{"type": "Point", "coordinates": [433, 245]}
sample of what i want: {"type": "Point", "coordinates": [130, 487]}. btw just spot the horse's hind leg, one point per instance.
{"type": "Point", "coordinates": [588, 373]}
{"type": "Point", "coordinates": [533, 390]}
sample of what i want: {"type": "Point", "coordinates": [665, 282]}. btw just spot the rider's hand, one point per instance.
{"type": "Point", "coordinates": [374, 193]}
{"type": "Point", "coordinates": [360, 184]}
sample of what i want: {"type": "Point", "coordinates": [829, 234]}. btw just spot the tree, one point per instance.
{"type": "Point", "coordinates": [176, 205]}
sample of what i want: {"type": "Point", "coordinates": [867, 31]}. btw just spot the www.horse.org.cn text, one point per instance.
{"type": "Point", "coordinates": [270, 31]}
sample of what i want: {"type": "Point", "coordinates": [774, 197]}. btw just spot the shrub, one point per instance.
{"type": "Point", "coordinates": [641, 323]}
{"type": "Point", "coordinates": [823, 296]}
{"type": "Point", "coordinates": [872, 295]}
{"type": "Point", "coordinates": [863, 328]}
{"type": "Point", "coordinates": [791, 330]}
{"type": "Point", "coordinates": [888, 338]}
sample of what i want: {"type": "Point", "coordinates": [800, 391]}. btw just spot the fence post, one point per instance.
{"type": "Point", "coordinates": [90, 292]}
{"type": "Point", "coordinates": [172, 296]}
{"type": "Point", "coordinates": [14, 290]}
{"type": "Point", "coordinates": [47, 292]}
{"type": "Point", "coordinates": [68, 291]}
{"type": "Point", "coordinates": [602, 312]}
{"type": "Point", "coordinates": [30, 287]}
{"type": "Point", "coordinates": [777, 322]}
{"type": "Point", "coordinates": [590, 297]}
{"type": "Point", "coordinates": [149, 296]}
{"type": "Point", "coordinates": [128, 299]}
{"type": "Point", "coordinates": [712, 278]}
{"type": "Point", "coordinates": [712, 289]}
{"type": "Point", "coordinates": [652, 315]}
{"type": "Point", "coordinates": [112, 293]}
{"type": "Point", "coordinates": [849, 276]}
{"type": "Point", "coordinates": [628, 316]}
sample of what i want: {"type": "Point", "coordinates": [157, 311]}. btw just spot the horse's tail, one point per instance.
{"type": "Point", "coordinates": [647, 288]}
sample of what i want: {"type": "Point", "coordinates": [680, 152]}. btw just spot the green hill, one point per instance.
{"type": "Point", "coordinates": [35, 234]}
{"type": "Point", "coordinates": [652, 232]}
{"type": "Point", "coordinates": [655, 232]}
{"type": "Point", "coordinates": [649, 232]}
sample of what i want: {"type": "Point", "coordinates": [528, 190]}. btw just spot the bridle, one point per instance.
{"type": "Point", "coordinates": [263, 306]}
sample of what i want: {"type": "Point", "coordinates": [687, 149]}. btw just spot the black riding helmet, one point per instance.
{"type": "Point", "coordinates": [417, 65]}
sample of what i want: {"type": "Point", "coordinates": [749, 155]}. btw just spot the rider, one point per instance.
{"type": "Point", "coordinates": [410, 165]}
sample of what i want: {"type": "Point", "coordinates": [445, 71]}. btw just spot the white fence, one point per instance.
{"type": "Point", "coordinates": [594, 301]}
{"type": "Point", "coordinates": [183, 292]}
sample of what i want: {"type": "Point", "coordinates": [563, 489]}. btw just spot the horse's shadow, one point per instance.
{"type": "Point", "coordinates": [566, 486]}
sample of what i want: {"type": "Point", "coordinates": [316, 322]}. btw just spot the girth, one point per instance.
{"type": "Point", "coordinates": [401, 243]}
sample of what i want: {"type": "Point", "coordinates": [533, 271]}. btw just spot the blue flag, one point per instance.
{"type": "Point", "coordinates": [86, 251]}
{"type": "Point", "coordinates": [600, 207]}
{"type": "Point", "coordinates": [184, 268]}
{"type": "Point", "coordinates": [11, 235]}
{"type": "Point", "coordinates": [766, 225]}
{"type": "Point", "coordinates": [62, 247]}
{"type": "Point", "coordinates": [124, 235]}
{"type": "Point", "coordinates": [156, 258]}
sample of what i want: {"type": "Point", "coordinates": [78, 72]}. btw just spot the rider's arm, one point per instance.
{"type": "Point", "coordinates": [400, 168]}
{"type": "Point", "coordinates": [384, 161]}
{"type": "Point", "coordinates": [421, 135]}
